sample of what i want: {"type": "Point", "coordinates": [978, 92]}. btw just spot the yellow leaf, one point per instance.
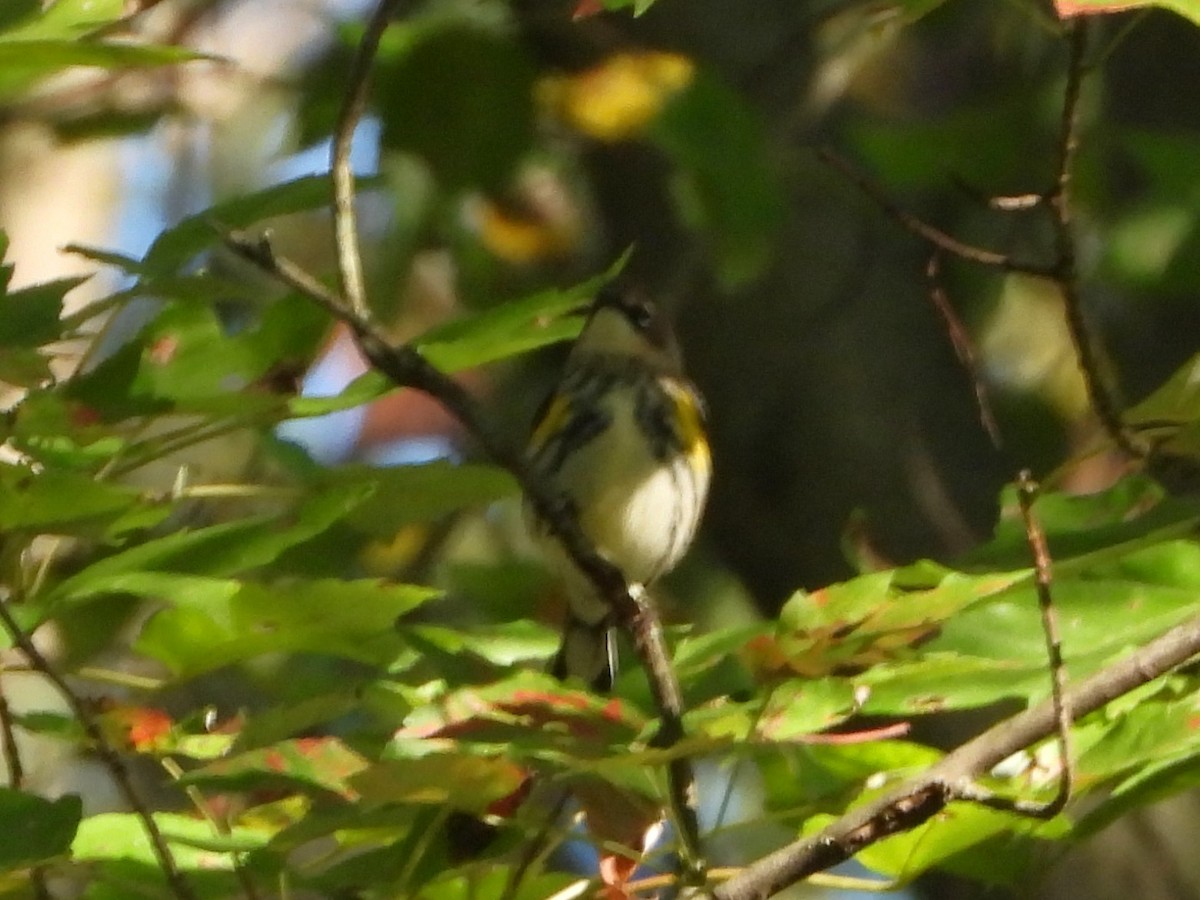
{"type": "Point", "coordinates": [617, 99]}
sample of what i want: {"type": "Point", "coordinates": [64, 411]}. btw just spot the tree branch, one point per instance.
{"type": "Point", "coordinates": [1067, 270]}
{"type": "Point", "coordinates": [1043, 580]}
{"type": "Point", "coordinates": [931, 234]}
{"type": "Point", "coordinates": [915, 801]}
{"type": "Point", "coordinates": [964, 347]}
{"type": "Point", "coordinates": [345, 222]}
{"type": "Point", "coordinates": [1063, 271]}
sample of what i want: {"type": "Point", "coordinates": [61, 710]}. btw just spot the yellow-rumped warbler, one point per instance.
{"type": "Point", "coordinates": [622, 440]}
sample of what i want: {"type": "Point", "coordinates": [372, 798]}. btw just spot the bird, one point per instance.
{"type": "Point", "coordinates": [622, 442]}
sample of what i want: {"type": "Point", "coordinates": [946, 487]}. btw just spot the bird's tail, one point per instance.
{"type": "Point", "coordinates": [589, 652]}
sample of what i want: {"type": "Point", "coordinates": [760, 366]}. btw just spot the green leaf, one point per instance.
{"type": "Point", "coordinates": [462, 781]}
{"type": "Point", "coordinates": [215, 622]}
{"type": "Point", "coordinates": [194, 842]}
{"type": "Point", "coordinates": [1171, 563]}
{"type": "Point", "coordinates": [1175, 404]}
{"type": "Point", "coordinates": [1143, 735]}
{"type": "Point", "coordinates": [38, 829]}
{"type": "Point", "coordinates": [511, 328]}
{"type": "Point", "coordinates": [186, 360]}
{"type": "Point", "coordinates": [127, 264]}
{"type": "Point", "coordinates": [177, 246]}
{"type": "Point", "coordinates": [960, 828]}
{"type": "Point", "coordinates": [502, 644]}
{"type": "Point", "coordinates": [61, 19]}
{"type": "Point", "coordinates": [461, 98]}
{"type": "Point", "coordinates": [218, 550]}
{"type": "Point", "coordinates": [821, 774]}
{"type": "Point", "coordinates": [30, 317]}
{"type": "Point", "coordinates": [57, 501]}
{"type": "Point", "coordinates": [363, 389]}
{"type": "Point", "coordinates": [1083, 532]}
{"type": "Point", "coordinates": [323, 763]}
{"type": "Point", "coordinates": [23, 63]}
{"type": "Point", "coordinates": [944, 681]}
{"type": "Point", "coordinates": [802, 707]}
{"type": "Point", "coordinates": [403, 495]}
{"type": "Point", "coordinates": [524, 714]}
{"type": "Point", "coordinates": [192, 360]}
{"type": "Point", "coordinates": [639, 6]}
{"type": "Point", "coordinates": [875, 617]}
{"type": "Point", "coordinates": [1098, 620]}
{"type": "Point", "coordinates": [1163, 777]}
{"type": "Point", "coordinates": [703, 654]}
{"type": "Point", "coordinates": [307, 715]}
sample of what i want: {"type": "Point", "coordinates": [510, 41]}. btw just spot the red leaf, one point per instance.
{"type": "Point", "coordinates": [163, 350]}
{"type": "Point", "coordinates": [147, 726]}
{"type": "Point", "coordinates": [585, 9]}
{"type": "Point", "coordinates": [83, 415]}
{"type": "Point", "coordinates": [141, 727]}
{"type": "Point", "coordinates": [1067, 9]}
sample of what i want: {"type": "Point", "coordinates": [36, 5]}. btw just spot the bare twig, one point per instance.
{"type": "Point", "coordinates": [964, 347]}
{"type": "Point", "coordinates": [109, 757]}
{"type": "Point", "coordinates": [1043, 579]}
{"type": "Point", "coordinates": [1013, 203]}
{"type": "Point", "coordinates": [915, 801]}
{"type": "Point", "coordinates": [345, 222]}
{"type": "Point", "coordinates": [1067, 270]}
{"type": "Point", "coordinates": [1063, 271]}
{"type": "Point", "coordinates": [948, 244]}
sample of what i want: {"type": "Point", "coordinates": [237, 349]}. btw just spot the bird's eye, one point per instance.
{"type": "Point", "coordinates": [641, 315]}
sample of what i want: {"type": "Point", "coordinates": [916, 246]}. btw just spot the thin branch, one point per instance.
{"type": "Point", "coordinates": [1063, 271]}
{"type": "Point", "coordinates": [1043, 579]}
{"type": "Point", "coordinates": [948, 244]}
{"type": "Point", "coordinates": [964, 347]}
{"type": "Point", "coordinates": [917, 800]}
{"type": "Point", "coordinates": [345, 223]}
{"type": "Point", "coordinates": [111, 759]}
{"type": "Point", "coordinates": [1067, 269]}
{"type": "Point", "coordinates": [1011, 203]}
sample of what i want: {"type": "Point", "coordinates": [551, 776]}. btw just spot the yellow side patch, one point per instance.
{"type": "Point", "coordinates": [690, 421]}
{"type": "Point", "coordinates": [552, 421]}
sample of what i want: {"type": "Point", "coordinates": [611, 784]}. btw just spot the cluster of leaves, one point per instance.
{"type": "Point", "coordinates": [376, 708]}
